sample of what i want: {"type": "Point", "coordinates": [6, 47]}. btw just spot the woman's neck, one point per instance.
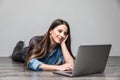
{"type": "Point", "coordinates": [52, 46]}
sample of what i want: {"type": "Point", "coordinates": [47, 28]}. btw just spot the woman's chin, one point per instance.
{"type": "Point", "coordinates": [58, 42]}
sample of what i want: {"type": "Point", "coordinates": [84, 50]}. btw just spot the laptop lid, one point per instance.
{"type": "Point", "coordinates": [91, 59]}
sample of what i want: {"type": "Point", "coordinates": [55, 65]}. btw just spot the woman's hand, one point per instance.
{"type": "Point", "coordinates": [64, 40]}
{"type": "Point", "coordinates": [65, 67]}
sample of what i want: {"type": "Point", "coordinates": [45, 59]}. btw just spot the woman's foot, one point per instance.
{"type": "Point", "coordinates": [18, 46]}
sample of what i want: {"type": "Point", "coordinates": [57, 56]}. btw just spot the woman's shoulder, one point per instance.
{"type": "Point", "coordinates": [35, 39]}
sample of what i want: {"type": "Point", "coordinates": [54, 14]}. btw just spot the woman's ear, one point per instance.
{"type": "Point", "coordinates": [50, 31]}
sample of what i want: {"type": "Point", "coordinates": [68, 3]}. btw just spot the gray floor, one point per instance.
{"type": "Point", "coordinates": [10, 70]}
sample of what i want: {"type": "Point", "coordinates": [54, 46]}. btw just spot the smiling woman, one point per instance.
{"type": "Point", "coordinates": [52, 51]}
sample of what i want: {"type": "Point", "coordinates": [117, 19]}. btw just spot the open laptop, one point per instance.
{"type": "Point", "coordinates": [90, 59]}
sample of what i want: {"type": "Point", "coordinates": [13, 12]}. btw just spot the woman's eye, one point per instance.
{"type": "Point", "coordinates": [59, 31]}
{"type": "Point", "coordinates": [65, 33]}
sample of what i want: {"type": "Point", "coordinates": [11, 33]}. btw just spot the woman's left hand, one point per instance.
{"type": "Point", "coordinates": [64, 40]}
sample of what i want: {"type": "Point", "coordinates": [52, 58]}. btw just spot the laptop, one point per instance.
{"type": "Point", "coordinates": [90, 59]}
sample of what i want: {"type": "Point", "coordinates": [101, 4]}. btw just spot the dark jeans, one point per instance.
{"type": "Point", "coordinates": [20, 56]}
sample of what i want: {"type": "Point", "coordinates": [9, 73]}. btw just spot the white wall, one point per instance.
{"type": "Point", "coordinates": [91, 21]}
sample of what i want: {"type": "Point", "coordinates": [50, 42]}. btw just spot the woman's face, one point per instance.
{"type": "Point", "coordinates": [58, 34]}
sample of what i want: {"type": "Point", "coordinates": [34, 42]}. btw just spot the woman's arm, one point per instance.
{"type": "Point", "coordinates": [67, 57]}
{"type": "Point", "coordinates": [63, 67]}
{"type": "Point", "coordinates": [36, 65]}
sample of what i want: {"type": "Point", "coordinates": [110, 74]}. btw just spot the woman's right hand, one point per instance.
{"type": "Point", "coordinates": [65, 67]}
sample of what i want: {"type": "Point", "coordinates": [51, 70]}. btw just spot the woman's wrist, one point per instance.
{"type": "Point", "coordinates": [63, 44]}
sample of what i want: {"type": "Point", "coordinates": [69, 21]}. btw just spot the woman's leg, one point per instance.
{"type": "Point", "coordinates": [17, 51]}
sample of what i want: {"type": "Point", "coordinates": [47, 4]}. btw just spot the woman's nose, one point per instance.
{"type": "Point", "coordinates": [62, 34]}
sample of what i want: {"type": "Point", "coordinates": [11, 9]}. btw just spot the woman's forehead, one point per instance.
{"type": "Point", "coordinates": [62, 27]}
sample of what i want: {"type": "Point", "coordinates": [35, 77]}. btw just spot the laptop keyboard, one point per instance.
{"type": "Point", "coordinates": [69, 72]}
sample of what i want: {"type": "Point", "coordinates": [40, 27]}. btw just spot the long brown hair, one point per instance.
{"type": "Point", "coordinates": [39, 51]}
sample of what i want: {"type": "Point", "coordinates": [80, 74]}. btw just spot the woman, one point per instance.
{"type": "Point", "coordinates": [51, 51]}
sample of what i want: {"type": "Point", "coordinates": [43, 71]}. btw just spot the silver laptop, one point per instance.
{"type": "Point", "coordinates": [90, 59]}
